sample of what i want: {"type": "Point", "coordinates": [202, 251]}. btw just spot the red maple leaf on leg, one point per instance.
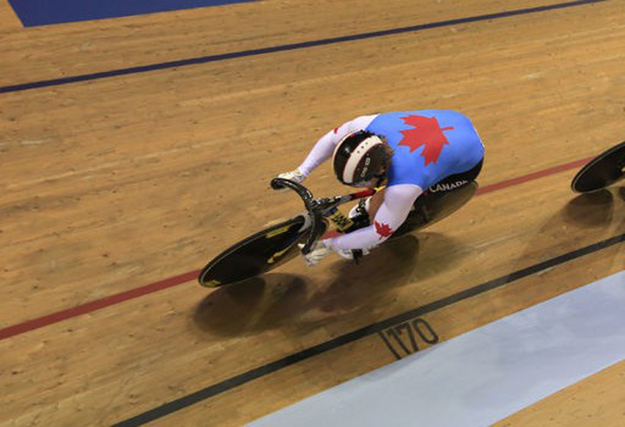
{"type": "Point", "coordinates": [428, 133]}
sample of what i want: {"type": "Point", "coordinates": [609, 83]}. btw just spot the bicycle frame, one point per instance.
{"type": "Point", "coordinates": [269, 248]}
{"type": "Point", "coordinates": [321, 208]}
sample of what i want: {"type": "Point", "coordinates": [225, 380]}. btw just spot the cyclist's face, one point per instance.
{"type": "Point", "coordinates": [375, 182]}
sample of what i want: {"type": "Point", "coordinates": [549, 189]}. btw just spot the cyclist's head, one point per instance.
{"type": "Point", "coordinates": [361, 159]}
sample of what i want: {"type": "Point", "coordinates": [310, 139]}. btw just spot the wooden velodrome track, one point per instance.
{"type": "Point", "coordinates": [115, 190]}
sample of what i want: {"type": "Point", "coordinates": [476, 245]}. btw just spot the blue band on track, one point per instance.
{"type": "Point", "coordinates": [34, 13]}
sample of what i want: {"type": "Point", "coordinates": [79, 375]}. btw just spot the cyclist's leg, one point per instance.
{"type": "Point", "coordinates": [456, 180]}
{"type": "Point", "coordinates": [441, 200]}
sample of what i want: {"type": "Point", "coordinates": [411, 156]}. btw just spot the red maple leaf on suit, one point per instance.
{"type": "Point", "coordinates": [383, 229]}
{"type": "Point", "coordinates": [428, 133]}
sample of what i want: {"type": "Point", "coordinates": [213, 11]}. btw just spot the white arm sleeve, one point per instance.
{"type": "Point", "coordinates": [398, 201]}
{"type": "Point", "coordinates": [324, 148]}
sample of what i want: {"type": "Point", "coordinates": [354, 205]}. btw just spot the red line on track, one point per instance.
{"type": "Point", "coordinates": [40, 322]}
{"type": "Point", "coordinates": [532, 176]}
{"type": "Point", "coordinates": [89, 307]}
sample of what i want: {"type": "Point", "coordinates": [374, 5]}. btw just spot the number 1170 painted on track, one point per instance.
{"type": "Point", "coordinates": [406, 338]}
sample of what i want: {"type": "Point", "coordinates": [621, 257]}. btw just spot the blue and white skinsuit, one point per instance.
{"type": "Point", "coordinates": [428, 145]}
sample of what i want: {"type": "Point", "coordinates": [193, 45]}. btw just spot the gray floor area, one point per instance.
{"type": "Point", "coordinates": [484, 375]}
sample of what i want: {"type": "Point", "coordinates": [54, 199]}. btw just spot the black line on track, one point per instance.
{"type": "Point", "coordinates": [286, 47]}
{"type": "Point", "coordinates": [238, 380]}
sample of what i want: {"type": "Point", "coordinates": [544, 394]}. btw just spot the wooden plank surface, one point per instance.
{"type": "Point", "coordinates": [113, 184]}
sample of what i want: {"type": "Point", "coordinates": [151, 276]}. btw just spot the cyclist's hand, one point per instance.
{"type": "Point", "coordinates": [294, 175]}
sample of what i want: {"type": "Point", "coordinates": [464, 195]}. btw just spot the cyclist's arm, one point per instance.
{"type": "Point", "coordinates": [324, 148]}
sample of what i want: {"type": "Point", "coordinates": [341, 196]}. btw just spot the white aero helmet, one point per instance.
{"type": "Point", "coordinates": [359, 157]}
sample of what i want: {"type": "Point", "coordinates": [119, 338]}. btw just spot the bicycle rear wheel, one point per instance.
{"type": "Point", "coordinates": [605, 169]}
{"type": "Point", "coordinates": [434, 207]}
